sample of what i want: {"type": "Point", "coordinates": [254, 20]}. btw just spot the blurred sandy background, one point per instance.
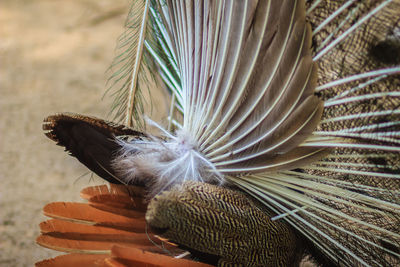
{"type": "Point", "coordinates": [53, 58]}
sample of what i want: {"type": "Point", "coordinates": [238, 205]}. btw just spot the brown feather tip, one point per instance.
{"type": "Point", "coordinates": [51, 122]}
{"type": "Point", "coordinates": [89, 139]}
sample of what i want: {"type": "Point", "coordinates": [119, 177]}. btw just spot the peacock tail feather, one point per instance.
{"type": "Point", "coordinates": [296, 103]}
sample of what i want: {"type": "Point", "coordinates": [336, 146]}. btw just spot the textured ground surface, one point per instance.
{"type": "Point", "coordinates": [53, 56]}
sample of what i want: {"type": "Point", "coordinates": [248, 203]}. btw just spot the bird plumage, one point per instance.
{"type": "Point", "coordinates": [109, 230]}
{"type": "Point", "coordinates": [293, 102]}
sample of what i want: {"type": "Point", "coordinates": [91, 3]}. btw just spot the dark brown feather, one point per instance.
{"type": "Point", "coordinates": [90, 140]}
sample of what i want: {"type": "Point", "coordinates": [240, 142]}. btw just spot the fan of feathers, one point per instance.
{"type": "Point", "coordinates": [282, 141]}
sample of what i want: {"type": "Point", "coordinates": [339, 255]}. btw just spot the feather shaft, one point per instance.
{"type": "Point", "coordinates": [138, 59]}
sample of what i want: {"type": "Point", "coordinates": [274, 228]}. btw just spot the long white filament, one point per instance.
{"type": "Point", "coordinates": [350, 30]}
{"type": "Point", "coordinates": [333, 16]}
{"type": "Point", "coordinates": [387, 71]}
{"type": "Point", "coordinates": [259, 121]}
{"type": "Point", "coordinates": [138, 61]}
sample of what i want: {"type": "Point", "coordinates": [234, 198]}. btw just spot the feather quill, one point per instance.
{"type": "Point", "coordinates": [131, 70]}
{"type": "Point", "coordinates": [138, 59]}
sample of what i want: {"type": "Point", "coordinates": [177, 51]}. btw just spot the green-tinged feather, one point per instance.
{"type": "Point", "coordinates": [162, 51]}
{"type": "Point", "coordinates": [145, 56]}
{"type": "Point", "coordinates": [131, 69]}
